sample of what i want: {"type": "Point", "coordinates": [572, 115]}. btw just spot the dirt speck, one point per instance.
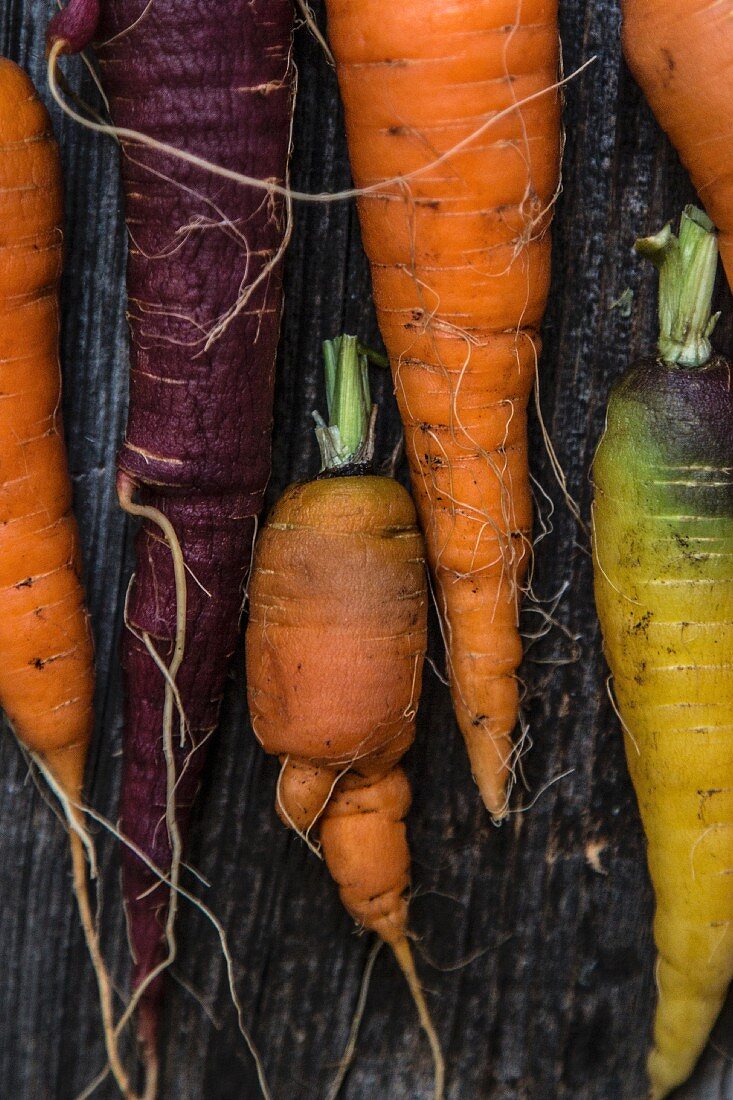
{"type": "Point", "coordinates": [593, 850]}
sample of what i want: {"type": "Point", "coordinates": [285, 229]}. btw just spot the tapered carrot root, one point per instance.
{"type": "Point", "coordinates": [46, 670]}
{"type": "Point", "coordinates": [360, 822]}
{"type": "Point", "coordinates": [460, 259]}
{"type": "Point", "coordinates": [365, 846]}
{"type": "Point", "coordinates": [46, 653]}
{"type": "Point", "coordinates": [356, 666]}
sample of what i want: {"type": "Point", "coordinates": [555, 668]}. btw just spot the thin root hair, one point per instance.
{"type": "Point", "coordinates": [166, 878]}
{"type": "Point", "coordinates": [347, 1058]}
{"type": "Point", "coordinates": [138, 137]}
{"type": "Point", "coordinates": [309, 20]}
{"type": "Point", "coordinates": [80, 843]}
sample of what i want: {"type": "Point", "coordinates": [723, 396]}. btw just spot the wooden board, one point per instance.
{"type": "Point", "coordinates": [534, 939]}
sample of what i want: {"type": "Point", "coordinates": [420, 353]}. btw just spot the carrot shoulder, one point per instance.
{"type": "Point", "coordinates": [459, 101]}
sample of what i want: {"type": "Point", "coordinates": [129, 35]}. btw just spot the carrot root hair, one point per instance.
{"type": "Point", "coordinates": [309, 20]}
{"type": "Point", "coordinates": [146, 1023]}
{"type": "Point", "coordinates": [146, 1026]}
{"type": "Point", "coordinates": [81, 891]}
{"type": "Point", "coordinates": [164, 877]}
{"type": "Point", "coordinates": [146, 1030]}
{"type": "Point", "coordinates": [347, 1057]}
{"type": "Point", "coordinates": [403, 954]}
{"type": "Point", "coordinates": [120, 133]}
{"type": "Point", "coordinates": [83, 856]}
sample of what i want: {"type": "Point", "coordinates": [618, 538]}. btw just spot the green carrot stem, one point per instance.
{"type": "Point", "coordinates": [349, 435]}
{"type": "Point", "coordinates": [687, 266]}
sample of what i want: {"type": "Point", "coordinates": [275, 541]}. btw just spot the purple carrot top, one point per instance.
{"type": "Point", "coordinates": [217, 81]}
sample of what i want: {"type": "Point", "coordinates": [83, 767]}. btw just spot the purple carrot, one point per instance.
{"type": "Point", "coordinates": [216, 80]}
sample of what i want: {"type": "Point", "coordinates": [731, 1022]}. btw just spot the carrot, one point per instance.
{"type": "Point", "coordinates": [663, 556]}
{"type": "Point", "coordinates": [204, 283]}
{"type": "Point", "coordinates": [681, 54]}
{"type": "Point", "coordinates": [46, 651]}
{"type": "Point", "coordinates": [460, 100]}
{"type": "Point", "coordinates": [336, 640]}
{"type": "Point", "coordinates": [46, 669]}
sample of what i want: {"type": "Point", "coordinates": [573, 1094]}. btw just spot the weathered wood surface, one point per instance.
{"type": "Point", "coordinates": [535, 939]}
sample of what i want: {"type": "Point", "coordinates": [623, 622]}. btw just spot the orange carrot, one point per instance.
{"type": "Point", "coordinates": [681, 54]}
{"type": "Point", "coordinates": [460, 100]}
{"type": "Point", "coordinates": [46, 654]}
{"type": "Point", "coordinates": [46, 677]}
{"type": "Point", "coordinates": [335, 647]}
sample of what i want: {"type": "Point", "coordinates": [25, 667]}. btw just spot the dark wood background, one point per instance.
{"type": "Point", "coordinates": [535, 941]}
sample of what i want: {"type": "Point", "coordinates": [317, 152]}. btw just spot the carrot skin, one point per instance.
{"type": "Point", "coordinates": [365, 847]}
{"type": "Point", "coordinates": [336, 641]}
{"type": "Point", "coordinates": [46, 648]}
{"type": "Point", "coordinates": [217, 81]}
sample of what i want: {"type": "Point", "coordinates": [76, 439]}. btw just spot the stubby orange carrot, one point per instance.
{"type": "Point", "coordinates": [46, 653]}
{"type": "Point", "coordinates": [459, 101]}
{"type": "Point", "coordinates": [335, 648]}
{"type": "Point", "coordinates": [681, 54]}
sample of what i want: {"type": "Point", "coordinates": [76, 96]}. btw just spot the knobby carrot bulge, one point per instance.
{"type": "Point", "coordinates": [204, 285]}
{"type": "Point", "coordinates": [663, 556]}
{"type": "Point", "coordinates": [46, 653]}
{"type": "Point", "coordinates": [681, 54]}
{"type": "Point", "coordinates": [336, 640]}
{"type": "Point", "coordinates": [461, 99]}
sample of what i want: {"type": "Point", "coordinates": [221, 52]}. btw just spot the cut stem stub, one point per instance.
{"type": "Point", "coordinates": [687, 266]}
{"type": "Point", "coordinates": [348, 438]}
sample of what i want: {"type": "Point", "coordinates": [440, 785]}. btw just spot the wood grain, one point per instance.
{"type": "Point", "coordinates": [534, 940]}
